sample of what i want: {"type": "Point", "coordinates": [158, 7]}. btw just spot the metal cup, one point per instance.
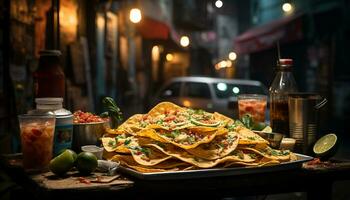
{"type": "Point", "coordinates": [303, 119]}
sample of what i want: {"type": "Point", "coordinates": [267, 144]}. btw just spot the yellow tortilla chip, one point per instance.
{"type": "Point", "coordinates": [186, 138]}
{"type": "Point", "coordinates": [151, 133]}
{"type": "Point", "coordinates": [247, 136]}
{"type": "Point", "coordinates": [130, 126]}
{"type": "Point", "coordinates": [183, 155]}
{"type": "Point", "coordinates": [148, 156]}
{"type": "Point", "coordinates": [111, 144]}
{"type": "Point", "coordinates": [164, 107]}
{"type": "Point", "coordinates": [219, 147]}
{"type": "Point", "coordinates": [272, 154]}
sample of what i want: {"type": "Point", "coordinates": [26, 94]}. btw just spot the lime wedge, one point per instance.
{"type": "Point", "coordinates": [326, 145]}
{"type": "Point", "coordinates": [267, 129]}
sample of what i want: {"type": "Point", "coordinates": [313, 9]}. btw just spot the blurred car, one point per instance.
{"type": "Point", "coordinates": [211, 94]}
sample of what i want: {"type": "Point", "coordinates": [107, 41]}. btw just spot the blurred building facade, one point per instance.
{"type": "Point", "coordinates": [106, 54]}
{"type": "Point", "coordinates": [313, 33]}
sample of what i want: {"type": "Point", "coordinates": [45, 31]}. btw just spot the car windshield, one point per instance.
{"type": "Point", "coordinates": [226, 90]}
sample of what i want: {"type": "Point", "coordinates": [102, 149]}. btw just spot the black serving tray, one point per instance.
{"type": "Point", "coordinates": [215, 172]}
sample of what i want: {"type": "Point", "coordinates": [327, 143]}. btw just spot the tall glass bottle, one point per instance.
{"type": "Point", "coordinates": [49, 78]}
{"type": "Point", "coordinates": [283, 84]}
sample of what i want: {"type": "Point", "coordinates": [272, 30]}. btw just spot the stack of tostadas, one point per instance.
{"type": "Point", "coordinates": [174, 138]}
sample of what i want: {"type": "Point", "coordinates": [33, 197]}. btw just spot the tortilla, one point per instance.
{"type": "Point", "coordinates": [116, 144]}
{"type": "Point", "coordinates": [130, 126]}
{"type": "Point", "coordinates": [186, 138]}
{"type": "Point", "coordinates": [219, 147]}
{"type": "Point", "coordinates": [169, 165]}
{"type": "Point", "coordinates": [173, 138]}
{"type": "Point", "coordinates": [164, 107]}
{"type": "Point", "coordinates": [272, 154]}
{"type": "Point", "coordinates": [183, 155]}
{"type": "Point", "coordinates": [148, 156]}
{"type": "Point", "coordinates": [247, 136]}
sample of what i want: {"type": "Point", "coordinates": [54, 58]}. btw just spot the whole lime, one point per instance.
{"type": "Point", "coordinates": [70, 151]}
{"type": "Point", "coordinates": [86, 163]}
{"type": "Point", "coordinates": [62, 163]}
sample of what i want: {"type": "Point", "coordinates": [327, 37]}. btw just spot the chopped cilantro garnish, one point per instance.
{"type": "Point", "coordinates": [221, 146]}
{"type": "Point", "coordinates": [169, 135]}
{"type": "Point", "coordinates": [120, 136]}
{"type": "Point", "coordinates": [199, 112]}
{"type": "Point", "coordinates": [252, 155]}
{"type": "Point", "coordinates": [240, 155]}
{"type": "Point", "coordinates": [160, 122]}
{"type": "Point", "coordinates": [191, 139]}
{"type": "Point", "coordinates": [274, 152]}
{"type": "Point", "coordinates": [252, 138]}
{"type": "Point", "coordinates": [231, 127]}
{"type": "Point", "coordinates": [231, 138]}
{"type": "Point", "coordinates": [176, 133]}
{"type": "Point", "coordinates": [126, 142]}
{"type": "Point", "coordinates": [111, 143]}
{"type": "Point", "coordinates": [143, 124]}
{"type": "Point", "coordinates": [146, 151]}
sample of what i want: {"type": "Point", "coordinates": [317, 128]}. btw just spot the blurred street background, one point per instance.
{"type": "Point", "coordinates": [128, 50]}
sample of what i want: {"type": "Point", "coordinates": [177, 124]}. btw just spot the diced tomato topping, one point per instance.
{"type": "Point", "coordinates": [144, 117]}
{"type": "Point", "coordinates": [166, 112]}
{"type": "Point", "coordinates": [86, 117]}
{"type": "Point", "coordinates": [169, 118]}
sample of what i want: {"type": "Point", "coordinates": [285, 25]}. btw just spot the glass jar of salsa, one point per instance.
{"type": "Point", "coordinates": [49, 78]}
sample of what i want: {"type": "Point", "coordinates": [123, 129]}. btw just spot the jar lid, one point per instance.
{"type": "Point", "coordinates": [50, 52]}
{"type": "Point", "coordinates": [63, 112]}
{"type": "Point", "coordinates": [49, 101]}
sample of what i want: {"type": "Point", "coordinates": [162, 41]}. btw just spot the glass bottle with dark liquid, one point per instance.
{"type": "Point", "coordinates": [49, 78]}
{"type": "Point", "coordinates": [283, 84]}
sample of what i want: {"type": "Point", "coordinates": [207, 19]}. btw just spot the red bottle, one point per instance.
{"type": "Point", "coordinates": [49, 78]}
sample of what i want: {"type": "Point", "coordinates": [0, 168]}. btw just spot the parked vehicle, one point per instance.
{"type": "Point", "coordinates": [211, 94]}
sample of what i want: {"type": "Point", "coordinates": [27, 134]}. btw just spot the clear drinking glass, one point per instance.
{"type": "Point", "coordinates": [253, 104]}
{"type": "Point", "coordinates": [37, 133]}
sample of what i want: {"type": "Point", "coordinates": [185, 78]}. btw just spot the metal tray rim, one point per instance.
{"type": "Point", "coordinates": [215, 172]}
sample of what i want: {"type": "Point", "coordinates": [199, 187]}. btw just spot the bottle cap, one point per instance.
{"type": "Point", "coordinates": [285, 62]}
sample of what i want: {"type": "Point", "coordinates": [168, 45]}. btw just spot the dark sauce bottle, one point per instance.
{"type": "Point", "coordinates": [283, 84]}
{"type": "Point", "coordinates": [49, 78]}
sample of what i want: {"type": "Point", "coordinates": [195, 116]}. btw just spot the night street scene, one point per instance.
{"type": "Point", "coordinates": [174, 99]}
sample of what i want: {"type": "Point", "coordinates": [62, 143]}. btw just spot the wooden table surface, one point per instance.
{"type": "Point", "coordinates": [317, 184]}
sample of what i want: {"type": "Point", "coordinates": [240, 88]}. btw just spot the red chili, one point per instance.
{"type": "Point", "coordinates": [83, 180]}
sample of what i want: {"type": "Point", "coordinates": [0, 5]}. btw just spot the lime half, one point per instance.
{"type": "Point", "coordinates": [267, 129]}
{"type": "Point", "coordinates": [326, 145]}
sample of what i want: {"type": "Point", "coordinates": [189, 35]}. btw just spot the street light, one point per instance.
{"type": "Point", "coordinates": [135, 15]}
{"type": "Point", "coordinates": [169, 57]}
{"type": "Point", "coordinates": [184, 41]}
{"type": "Point", "coordinates": [232, 55]}
{"type": "Point", "coordinates": [219, 3]}
{"type": "Point", "coordinates": [287, 7]}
